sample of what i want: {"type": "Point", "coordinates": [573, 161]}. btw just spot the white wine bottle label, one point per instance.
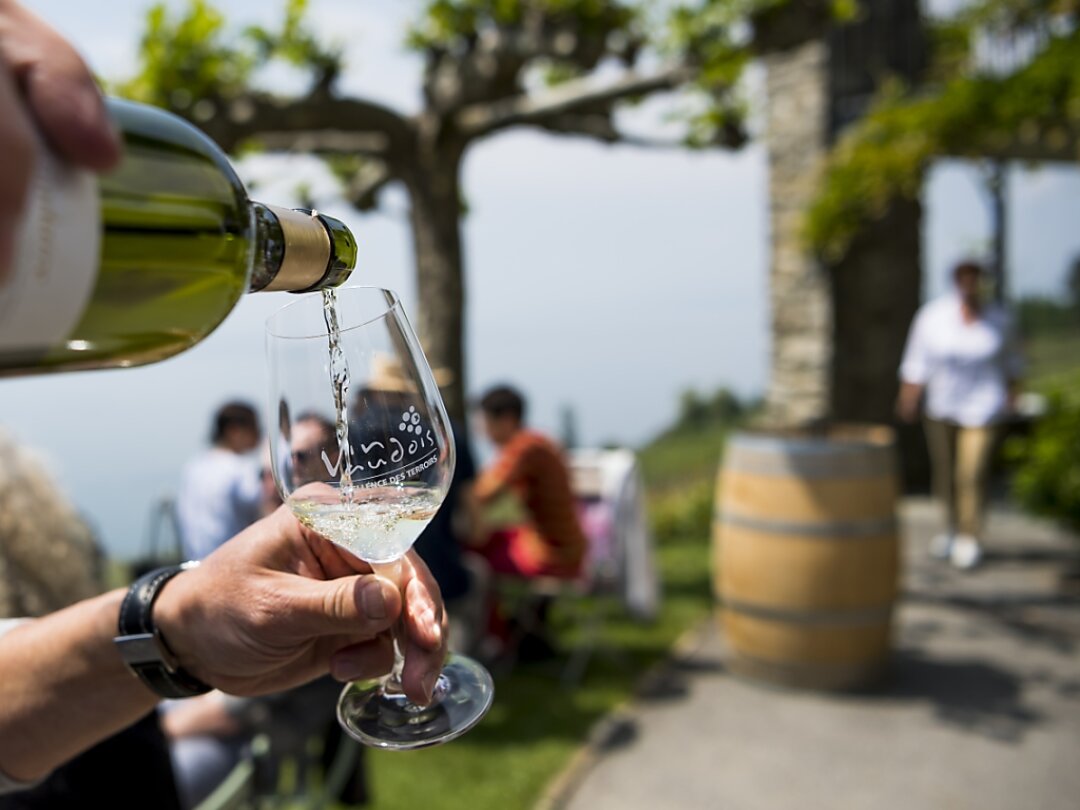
{"type": "Point", "coordinates": [57, 252]}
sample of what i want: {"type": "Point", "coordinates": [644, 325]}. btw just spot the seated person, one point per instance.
{"type": "Point", "coordinates": [220, 492]}
{"type": "Point", "coordinates": [547, 540]}
{"type": "Point", "coordinates": [461, 578]}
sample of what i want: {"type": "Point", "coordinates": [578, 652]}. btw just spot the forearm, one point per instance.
{"type": "Point", "coordinates": [485, 490]}
{"type": "Point", "coordinates": [907, 403]}
{"type": "Point", "coordinates": [911, 391]}
{"type": "Point", "coordinates": [46, 662]}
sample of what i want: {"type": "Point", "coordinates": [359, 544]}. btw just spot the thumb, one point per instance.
{"type": "Point", "coordinates": [357, 605]}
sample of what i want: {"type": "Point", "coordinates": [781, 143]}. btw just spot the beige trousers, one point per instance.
{"type": "Point", "coordinates": [960, 458]}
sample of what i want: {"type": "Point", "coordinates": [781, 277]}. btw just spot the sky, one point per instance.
{"type": "Point", "coordinates": [604, 279]}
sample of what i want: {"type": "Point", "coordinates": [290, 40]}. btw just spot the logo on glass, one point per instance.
{"type": "Point", "coordinates": [394, 461]}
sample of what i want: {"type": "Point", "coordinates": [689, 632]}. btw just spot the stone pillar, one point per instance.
{"type": "Point", "coordinates": [802, 318]}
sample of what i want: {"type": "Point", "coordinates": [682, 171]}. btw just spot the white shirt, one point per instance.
{"type": "Point", "coordinates": [219, 496]}
{"type": "Point", "coordinates": [966, 367]}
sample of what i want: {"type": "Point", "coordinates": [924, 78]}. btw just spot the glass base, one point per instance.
{"type": "Point", "coordinates": [460, 699]}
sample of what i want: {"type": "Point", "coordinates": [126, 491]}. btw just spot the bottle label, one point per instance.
{"type": "Point", "coordinates": [56, 259]}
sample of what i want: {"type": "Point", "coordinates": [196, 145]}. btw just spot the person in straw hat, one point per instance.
{"type": "Point", "coordinates": [463, 576]}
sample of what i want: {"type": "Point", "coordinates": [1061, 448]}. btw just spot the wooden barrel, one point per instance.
{"type": "Point", "coordinates": [806, 556]}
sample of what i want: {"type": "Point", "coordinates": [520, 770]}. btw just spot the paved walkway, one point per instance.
{"type": "Point", "coordinates": [982, 711]}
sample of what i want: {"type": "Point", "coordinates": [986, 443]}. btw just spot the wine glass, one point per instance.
{"type": "Point", "coordinates": [363, 454]}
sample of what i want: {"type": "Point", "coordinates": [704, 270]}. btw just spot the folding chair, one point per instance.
{"type": "Point", "coordinates": [237, 791]}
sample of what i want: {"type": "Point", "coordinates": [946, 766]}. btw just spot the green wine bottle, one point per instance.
{"type": "Point", "coordinates": [138, 264]}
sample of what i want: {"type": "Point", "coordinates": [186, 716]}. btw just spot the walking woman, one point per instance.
{"type": "Point", "coordinates": [962, 354]}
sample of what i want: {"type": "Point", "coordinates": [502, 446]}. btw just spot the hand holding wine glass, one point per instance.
{"type": "Point", "coordinates": [283, 601]}
{"type": "Point", "coordinates": [364, 456]}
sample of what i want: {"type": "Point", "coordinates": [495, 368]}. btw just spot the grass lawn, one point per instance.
{"type": "Point", "coordinates": [682, 458]}
{"type": "Point", "coordinates": [536, 724]}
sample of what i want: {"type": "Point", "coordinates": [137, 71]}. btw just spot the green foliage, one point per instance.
{"type": "Point", "coordinates": [885, 155]}
{"type": "Point", "coordinates": [697, 411]}
{"type": "Point", "coordinates": [1047, 476]}
{"type": "Point", "coordinates": [189, 54]}
{"type": "Point", "coordinates": [682, 514]}
{"type": "Point", "coordinates": [295, 43]}
{"type": "Point", "coordinates": [1052, 361]}
{"type": "Point", "coordinates": [345, 166]}
{"type": "Point", "coordinates": [447, 24]}
{"type": "Point", "coordinates": [680, 465]}
{"type": "Point", "coordinates": [1005, 16]}
{"type": "Point", "coordinates": [688, 453]}
{"type": "Point", "coordinates": [711, 36]}
{"type": "Point", "coordinates": [844, 10]}
{"type": "Point", "coordinates": [1047, 317]}
{"type": "Point", "coordinates": [1046, 461]}
{"type": "Point", "coordinates": [193, 55]}
{"type": "Point", "coordinates": [444, 22]}
{"type": "Point", "coordinates": [706, 34]}
{"type": "Point", "coordinates": [555, 73]}
{"type": "Point", "coordinates": [188, 57]}
{"type": "Point", "coordinates": [680, 458]}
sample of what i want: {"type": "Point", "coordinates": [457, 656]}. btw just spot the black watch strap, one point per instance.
{"type": "Point", "coordinates": [141, 644]}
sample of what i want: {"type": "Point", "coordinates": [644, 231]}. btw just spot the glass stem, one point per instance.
{"type": "Point", "coordinates": [392, 571]}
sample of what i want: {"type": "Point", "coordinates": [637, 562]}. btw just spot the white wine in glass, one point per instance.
{"type": "Point", "coordinates": [363, 454]}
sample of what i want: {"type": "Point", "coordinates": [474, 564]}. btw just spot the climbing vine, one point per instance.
{"type": "Point", "coordinates": [1029, 112]}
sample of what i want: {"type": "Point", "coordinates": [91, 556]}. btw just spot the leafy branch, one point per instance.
{"type": "Point", "coordinates": [1029, 113]}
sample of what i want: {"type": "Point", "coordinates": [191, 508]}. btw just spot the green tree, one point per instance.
{"type": "Point", "coordinates": [1004, 83]}
{"type": "Point", "coordinates": [698, 411]}
{"type": "Point", "coordinates": [562, 66]}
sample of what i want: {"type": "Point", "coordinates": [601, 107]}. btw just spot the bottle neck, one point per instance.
{"type": "Point", "coordinates": [299, 251]}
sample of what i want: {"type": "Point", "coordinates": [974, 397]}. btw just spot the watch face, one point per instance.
{"type": "Point", "coordinates": [144, 648]}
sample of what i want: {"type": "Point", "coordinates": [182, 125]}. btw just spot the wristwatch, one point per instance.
{"type": "Point", "coordinates": [141, 644]}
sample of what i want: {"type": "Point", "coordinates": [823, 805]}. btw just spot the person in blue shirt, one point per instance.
{"type": "Point", "coordinates": [221, 493]}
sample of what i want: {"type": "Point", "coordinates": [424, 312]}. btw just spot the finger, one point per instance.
{"type": "Point", "coordinates": [423, 615]}
{"type": "Point", "coordinates": [364, 605]}
{"type": "Point", "coordinates": [421, 671]}
{"type": "Point", "coordinates": [425, 621]}
{"type": "Point", "coordinates": [358, 662]}
{"type": "Point", "coordinates": [61, 93]}
{"type": "Point", "coordinates": [418, 569]}
{"type": "Point", "coordinates": [17, 149]}
{"type": "Point", "coordinates": [423, 602]}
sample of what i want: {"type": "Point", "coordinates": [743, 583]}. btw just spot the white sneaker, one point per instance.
{"type": "Point", "coordinates": [941, 546]}
{"type": "Point", "coordinates": [966, 552]}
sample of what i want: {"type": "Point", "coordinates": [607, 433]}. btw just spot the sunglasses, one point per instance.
{"type": "Point", "coordinates": [304, 456]}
